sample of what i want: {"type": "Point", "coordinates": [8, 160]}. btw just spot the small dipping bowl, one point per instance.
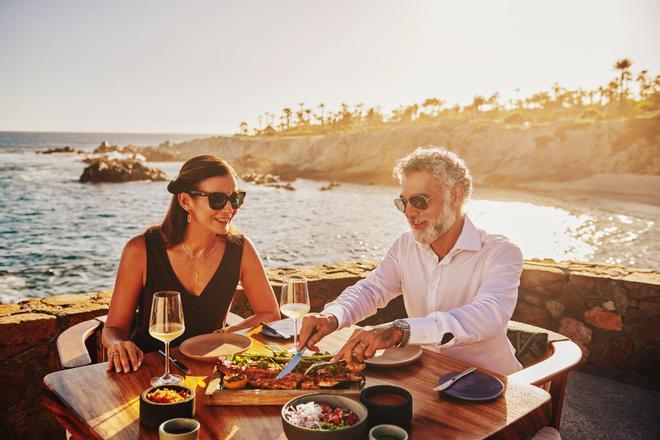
{"type": "Point", "coordinates": [179, 429]}
{"type": "Point", "coordinates": [388, 404]}
{"type": "Point", "coordinates": [152, 414]}
{"type": "Point", "coordinates": [387, 432]}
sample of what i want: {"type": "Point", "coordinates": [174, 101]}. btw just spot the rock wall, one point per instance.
{"type": "Point", "coordinates": [613, 313]}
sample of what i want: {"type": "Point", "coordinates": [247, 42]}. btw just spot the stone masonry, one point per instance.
{"type": "Point", "coordinates": [611, 312]}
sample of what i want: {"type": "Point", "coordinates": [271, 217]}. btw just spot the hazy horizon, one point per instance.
{"type": "Point", "coordinates": [202, 68]}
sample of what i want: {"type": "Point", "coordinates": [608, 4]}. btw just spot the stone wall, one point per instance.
{"type": "Point", "coordinates": [613, 313]}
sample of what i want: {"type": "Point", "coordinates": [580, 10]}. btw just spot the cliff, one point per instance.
{"type": "Point", "coordinates": [621, 156]}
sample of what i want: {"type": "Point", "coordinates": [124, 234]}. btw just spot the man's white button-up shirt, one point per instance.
{"type": "Point", "coordinates": [470, 293]}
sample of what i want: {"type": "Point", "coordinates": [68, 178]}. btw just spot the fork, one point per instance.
{"type": "Point", "coordinates": [321, 363]}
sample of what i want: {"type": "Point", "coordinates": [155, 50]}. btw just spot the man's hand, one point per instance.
{"type": "Point", "coordinates": [363, 343]}
{"type": "Point", "coordinates": [314, 328]}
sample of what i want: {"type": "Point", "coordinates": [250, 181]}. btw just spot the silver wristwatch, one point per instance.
{"type": "Point", "coordinates": [405, 328]}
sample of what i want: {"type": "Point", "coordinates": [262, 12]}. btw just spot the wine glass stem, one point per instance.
{"type": "Point", "coordinates": [295, 333]}
{"type": "Point", "coordinates": [167, 358]}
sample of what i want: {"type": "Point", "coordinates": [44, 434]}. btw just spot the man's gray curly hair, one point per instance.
{"type": "Point", "coordinates": [446, 167]}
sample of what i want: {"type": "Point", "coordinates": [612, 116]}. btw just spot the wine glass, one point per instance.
{"type": "Point", "coordinates": [166, 324]}
{"type": "Point", "coordinates": [294, 302]}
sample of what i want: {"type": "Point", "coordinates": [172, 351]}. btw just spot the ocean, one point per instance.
{"type": "Point", "coordinates": [58, 235]}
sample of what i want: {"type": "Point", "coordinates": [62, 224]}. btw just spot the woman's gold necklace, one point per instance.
{"type": "Point", "coordinates": [197, 258]}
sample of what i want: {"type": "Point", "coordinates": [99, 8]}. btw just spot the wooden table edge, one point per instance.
{"type": "Point", "coordinates": [64, 414]}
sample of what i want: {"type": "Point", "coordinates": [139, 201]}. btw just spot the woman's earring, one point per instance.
{"type": "Point", "coordinates": [189, 218]}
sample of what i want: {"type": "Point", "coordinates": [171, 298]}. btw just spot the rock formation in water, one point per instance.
{"type": "Point", "coordinates": [66, 149]}
{"type": "Point", "coordinates": [104, 170]}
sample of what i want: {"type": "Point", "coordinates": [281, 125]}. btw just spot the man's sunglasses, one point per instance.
{"type": "Point", "coordinates": [418, 202]}
{"type": "Point", "coordinates": [218, 201]}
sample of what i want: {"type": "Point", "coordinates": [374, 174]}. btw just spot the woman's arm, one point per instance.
{"type": "Point", "coordinates": [123, 355]}
{"type": "Point", "coordinates": [258, 290]}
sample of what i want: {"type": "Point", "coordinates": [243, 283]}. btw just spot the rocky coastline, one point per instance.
{"type": "Point", "coordinates": [565, 155]}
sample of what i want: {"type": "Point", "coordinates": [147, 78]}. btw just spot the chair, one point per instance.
{"type": "Point", "coordinates": [81, 344]}
{"type": "Point", "coordinates": [551, 371]}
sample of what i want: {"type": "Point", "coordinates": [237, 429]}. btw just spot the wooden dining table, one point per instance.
{"type": "Point", "coordinates": [93, 403]}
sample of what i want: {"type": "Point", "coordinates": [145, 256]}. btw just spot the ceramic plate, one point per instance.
{"type": "Point", "coordinates": [396, 357]}
{"type": "Point", "coordinates": [208, 347]}
{"type": "Point", "coordinates": [475, 386]}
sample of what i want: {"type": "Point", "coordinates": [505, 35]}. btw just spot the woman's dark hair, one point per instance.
{"type": "Point", "coordinates": [191, 174]}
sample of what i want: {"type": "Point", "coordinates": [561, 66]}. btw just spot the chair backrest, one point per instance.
{"type": "Point", "coordinates": [531, 347]}
{"type": "Point", "coordinates": [549, 371]}
{"type": "Point", "coordinates": [81, 345]}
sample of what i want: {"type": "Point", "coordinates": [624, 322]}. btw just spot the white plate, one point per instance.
{"type": "Point", "coordinates": [396, 357]}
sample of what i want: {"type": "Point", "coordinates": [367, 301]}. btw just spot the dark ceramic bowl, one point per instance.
{"type": "Point", "coordinates": [152, 414]}
{"type": "Point", "coordinates": [356, 432]}
{"type": "Point", "coordinates": [388, 404]}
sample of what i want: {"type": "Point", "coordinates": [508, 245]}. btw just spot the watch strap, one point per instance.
{"type": "Point", "coordinates": [405, 328]}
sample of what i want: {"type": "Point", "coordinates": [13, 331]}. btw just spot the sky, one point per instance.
{"type": "Point", "coordinates": [168, 66]}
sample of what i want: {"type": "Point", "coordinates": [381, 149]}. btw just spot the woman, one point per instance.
{"type": "Point", "coordinates": [195, 251]}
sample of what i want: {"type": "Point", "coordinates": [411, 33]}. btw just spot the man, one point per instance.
{"type": "Point", "coordinates": [459, 283]}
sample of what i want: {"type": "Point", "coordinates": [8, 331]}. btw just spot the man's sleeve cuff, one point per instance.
{"type": "Point", "coordinates": [338, 312]}
{"type": "Point", "coordinates": [426, 331]}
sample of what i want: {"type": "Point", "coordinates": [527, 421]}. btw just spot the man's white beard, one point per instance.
{"type": "Point", "coordinates": [436, 226]}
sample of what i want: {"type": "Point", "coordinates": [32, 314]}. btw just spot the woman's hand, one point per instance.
{"type": "Point", "coordinates": [124, 356]}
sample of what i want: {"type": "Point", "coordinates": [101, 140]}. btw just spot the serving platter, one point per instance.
{"type": "Point", "coordinates": [216, 395]}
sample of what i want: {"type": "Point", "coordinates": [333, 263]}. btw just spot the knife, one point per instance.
{"type": "Point", "coordinates": [296, 359]}
{"type": "Point", "coordinates": [177, 363]}
{"type": "Point", "coordinates": [452, 381]}
{"type": "Point", "coordinates": [292, 364]}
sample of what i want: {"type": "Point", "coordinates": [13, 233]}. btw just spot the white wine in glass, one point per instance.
{"type": "Point", "coordinates": [166, 324]}
{"type": "Point", "coordinates": [294, 302]}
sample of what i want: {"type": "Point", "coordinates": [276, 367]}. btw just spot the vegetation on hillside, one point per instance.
{"type": "Point", "coordinates": [627, 95]}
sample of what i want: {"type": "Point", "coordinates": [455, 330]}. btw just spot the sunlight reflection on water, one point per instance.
{"type": "Point", "coordinates": [539, 230]}
{"type": "Point", "coordinates": [62, 236]}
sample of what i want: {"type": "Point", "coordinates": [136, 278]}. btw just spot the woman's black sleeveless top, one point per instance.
{"type": "Point", "coordinates": [202, 314]}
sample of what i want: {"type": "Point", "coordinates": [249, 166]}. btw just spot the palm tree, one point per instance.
{"type": "Point", "coordinates": [477, 102]}
{"type": "Point", "coordinates": [644, 84]}
{"type": "Point", "coordinates": [559, 94]}
{"type": "Point", "coordinates": [611, 91]}
{"type": "Point", "coordinates": [433, 104]}
{"type": "Point", "coordinates": [322, 109]}
{"type": "Point", "coordinates": [244, 128]}
{"type": "Point", "coordinates": [623, 66]}
{"type": "Point", "coordinates": [492, 101]}
{"type": "Point", "coordinates": [287, 116]}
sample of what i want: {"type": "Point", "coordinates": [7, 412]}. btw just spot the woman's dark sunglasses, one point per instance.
{"type": "Point", "coordinates": [218, 201]}
{"type": "Point", "coordinates": [418, 202]}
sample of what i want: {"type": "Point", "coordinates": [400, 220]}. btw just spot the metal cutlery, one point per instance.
{"type": "Point", "coordinates": [295, 361]}
{"type": "Point", "coordinates": [177, 363]}
{"type": "Point", "coordinates": [292, 364]}
{"type": "Point", "coordinates": [322, 363]}
{"type": "Point", "coordinates": [453, 380]}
